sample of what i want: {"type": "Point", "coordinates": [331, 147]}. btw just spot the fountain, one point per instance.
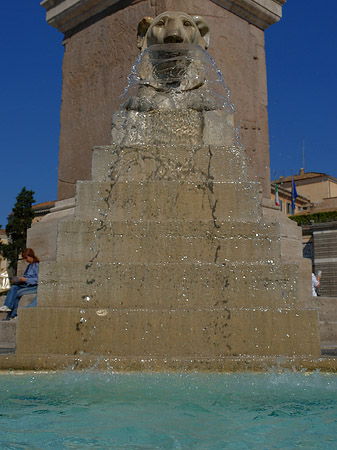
{"type": "Point", "coordinates": [168, 263]}
{"type": "Point", "coordinates": [102, 410]}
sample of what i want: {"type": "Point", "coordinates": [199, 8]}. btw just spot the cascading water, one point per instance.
{"type": "Point", "coordinates": [175, 72]}
{"type": "Point", "coordinates": [168, 262]}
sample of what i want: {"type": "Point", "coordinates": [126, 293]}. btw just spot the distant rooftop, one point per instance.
{"type": "Point", "coordinates": [313, 176]}
{"type": "Point", "coordinates": [41, 208]}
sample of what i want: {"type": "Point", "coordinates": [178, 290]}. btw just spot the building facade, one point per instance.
{"type": "Point", "coordinates": [285, 203]}
{"type": "Point", "coordinates": [317, 187]}
{"type": "Point", "coordinates": [316, 212]}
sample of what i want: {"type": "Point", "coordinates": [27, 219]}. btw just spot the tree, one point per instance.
{"type": "Point", "coordinates": [18, 222]}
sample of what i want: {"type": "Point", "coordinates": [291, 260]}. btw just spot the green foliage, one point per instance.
{"type": "Point", "coordinates": [18, 223]}
{"type": "Point", "coordinates": [320, 217]}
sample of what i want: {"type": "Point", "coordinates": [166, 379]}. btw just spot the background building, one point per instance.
{"type": "Point", "coordinates": [316, 212]}
{"type": "Point", "coordinates": [42, 209]}
{"type": "Point", "coordinates": [301, 202]}
{"type": "Point", "coordinates": [320, 188]}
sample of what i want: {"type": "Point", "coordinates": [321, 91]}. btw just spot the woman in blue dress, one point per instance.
{"type": "Point", "coordinates": [23, 285]}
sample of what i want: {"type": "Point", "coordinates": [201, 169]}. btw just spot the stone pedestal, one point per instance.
{"type": "Point", "coordinates": [100, 48]}
{"type": "Point", "coordinates": [168, 255]}
{"type": "Point", "coordinates": [42, 236]}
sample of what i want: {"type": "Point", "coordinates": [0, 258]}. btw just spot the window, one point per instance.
{"type": "Point", "coordinates": [289, 208]}
{"type": "Point", "coordinates": [281, 205]}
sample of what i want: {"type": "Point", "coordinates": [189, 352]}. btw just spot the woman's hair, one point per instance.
{"type": "Point", "coordinates": [30, 252]}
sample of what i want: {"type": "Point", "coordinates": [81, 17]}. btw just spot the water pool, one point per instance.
{"type": "Point", "coordinates": [164, 411]}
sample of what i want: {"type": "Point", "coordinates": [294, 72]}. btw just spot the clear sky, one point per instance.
{"type": "Point", "coordinates": [301, 54]}
{"type": "Point", "coordinates": [31, 80]}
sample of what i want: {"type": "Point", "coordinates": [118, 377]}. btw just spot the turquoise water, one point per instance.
{"type": "Point", "coordinates": [164, 411]}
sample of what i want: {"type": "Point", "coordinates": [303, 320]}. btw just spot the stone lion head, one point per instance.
{"type": "Point", "coordinates": [173, 27]}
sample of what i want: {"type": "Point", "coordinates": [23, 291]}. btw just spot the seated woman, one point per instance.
{"type": "Point", "coordinates": [24, 285]}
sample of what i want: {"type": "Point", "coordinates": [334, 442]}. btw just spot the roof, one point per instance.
{"type": "Point", "coordinates": [48, 204]}
{"type": "Point", "coordinates": [43, 207]}
{"type": "Point", "coordinates": [313, 176]}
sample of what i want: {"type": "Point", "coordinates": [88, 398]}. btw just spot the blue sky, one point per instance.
{"type": "Point", "coordinates": [301, 57]}
{"type": "Point", "coordinates": [301, 54]}
{"type": "Point", "coordinates": [31, 79]}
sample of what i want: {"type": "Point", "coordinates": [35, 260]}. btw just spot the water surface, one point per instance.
{"type": "Point", "coordinates": [168, 411]}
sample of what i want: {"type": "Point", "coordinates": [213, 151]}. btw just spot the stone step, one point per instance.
{"type": "Point", "coordinates": [327, 315]}
{"type": "Point", "coordinates": [328, 331]}
{"type": "Point", "coordinates": [169, 162]}
{"type": "Point", "coordinates": [329, 349]}
{"type": "Point", "coordinates": [326, 307]}
{"type": "Point", "coordinates": [184, 127]}
{"type": "Point", "coordinates": [290, 232]}
{"type": "Point", "coordinates": [149, 333]}
{"type": "Point", "coordinates": [151, 242]}
{"type": "Point", "coordinates": [168, 285]}
{"type": "Point", "coordinates": [7, 332]}
{"type": "Point", "coordinates": [8, 328]}
{"type": "Point", "coordinates": [3, 315]}
{"type": "Point", "coordinates": [169, 201]}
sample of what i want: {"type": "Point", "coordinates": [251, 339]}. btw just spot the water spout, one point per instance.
{"type": "Point", "coordinates": [176, 76]}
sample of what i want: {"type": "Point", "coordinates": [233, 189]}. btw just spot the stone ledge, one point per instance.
{"type": "Point", "coordinates": [68, 14]}
{"type": "Point", "coordinates": [164, 364]}
{"type": "Point", "coordinates": [261, 13]}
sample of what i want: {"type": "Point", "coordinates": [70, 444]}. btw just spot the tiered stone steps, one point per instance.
{"type": "Point", "coordinates": [327, 307]}
{"type": "Point", "coordinates": [8, 328]}
{"type": "Point", "coordinates": [168, 255]}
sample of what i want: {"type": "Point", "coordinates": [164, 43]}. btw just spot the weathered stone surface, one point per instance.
{"type": "Point", "coordinates": [71, 13]}
{"type": "Point", "coordinates": [7, 333]}
{"type": "Point", "coordinates": [42, 236]}
{"type": "Point", "coordinates": [290, 233]}
{"type": "Point", "coordinates": [327, 311]}
{"type": "Point", "coordinates": [147, 333]}
{"type": "Point", "coordinates": [95, 69]}
{"type": "Point", "coordinates": [167, 255]}
{"type": "Point", "coordinates": [207, 365]}
{"type": "Point", "coordinates": [168, 285]}
{"type": "Point", "coordinates": [151, 242]}
{"type": "Point", "coordinates": [185, 127]}
{"type": "Point", "coordinates": [168, 200]}
{"type": "Point", "coordinates": [169, 162]}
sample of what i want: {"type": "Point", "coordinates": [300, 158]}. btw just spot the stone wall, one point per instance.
{"type": "Point", "coordinates": [325, 257]}
{"type": "Point", "coordinates": [98, 58]}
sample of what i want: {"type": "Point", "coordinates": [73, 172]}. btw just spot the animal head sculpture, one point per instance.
{"type": "Point", "coordinates": [173, 27]}
{"type": "Point", "coordinates": [171, 73]}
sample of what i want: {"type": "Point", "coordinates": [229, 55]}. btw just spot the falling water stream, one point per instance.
{"type": "Point", "coordinates": [178, 69]}
{"type": "Point", "coordinates": [175, 72]}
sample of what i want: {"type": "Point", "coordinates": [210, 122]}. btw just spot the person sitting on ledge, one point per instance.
{"type": "Point", "coordinates": [22, 285]}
